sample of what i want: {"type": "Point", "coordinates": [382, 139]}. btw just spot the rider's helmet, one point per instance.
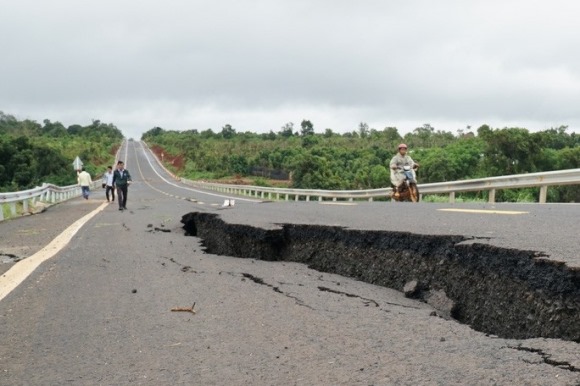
{"type": "Point", "coordinates": [402, 146]}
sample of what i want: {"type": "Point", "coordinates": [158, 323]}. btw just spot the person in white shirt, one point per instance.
{"type": "Point", "coordinates": [108, 184]}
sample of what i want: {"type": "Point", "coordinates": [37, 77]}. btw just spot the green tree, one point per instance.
{"type": "Point", "coordinates": [287, 130]}
{"type": "Point", "coordinates": [392, 135]}
{"type": "Point", "coordinates": [509, 150]}
{"type": "Point", "coordinates": [228, 132]}
{"type": "Point", "coordinates": [379, 177]}
{"type": "Point", "coordinates": [363, 130]}
{"type": "Point", "coordinates": [307, 128]}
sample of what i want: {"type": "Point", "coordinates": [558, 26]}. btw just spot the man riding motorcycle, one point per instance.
{"type": "Point", "coordinates": [398, 162]}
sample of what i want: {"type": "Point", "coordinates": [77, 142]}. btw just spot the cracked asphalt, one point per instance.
{"type": "Point", "coordinates": [99, 312]}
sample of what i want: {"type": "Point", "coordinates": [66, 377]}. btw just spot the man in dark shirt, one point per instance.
{"type": "Point", "coordinates": [121, 180]}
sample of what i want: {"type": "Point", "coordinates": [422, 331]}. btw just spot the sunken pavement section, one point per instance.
{"type": "Point", "coordinates": [505, 292]}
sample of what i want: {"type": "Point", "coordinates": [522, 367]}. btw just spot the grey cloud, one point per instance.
{"type": "Point", "coordinates": [264, 63]}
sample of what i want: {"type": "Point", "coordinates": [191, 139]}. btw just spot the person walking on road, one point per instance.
{"type": "Point", "coordinates": [108, 183]}
{"type": "Point", "coordinates": [121, 180]}
{"type": "Point", "coordinates": [85, 182]}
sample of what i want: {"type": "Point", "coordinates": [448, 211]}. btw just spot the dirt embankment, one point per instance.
{"type": "Point", "coordinates": [505, 292]}
{"type": "Point", "coordinates": [177, 162]}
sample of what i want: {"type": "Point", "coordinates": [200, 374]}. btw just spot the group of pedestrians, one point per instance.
{"type": "Point", "coordinates": [118, 180]}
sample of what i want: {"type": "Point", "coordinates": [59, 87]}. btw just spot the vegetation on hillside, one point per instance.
{"type": "Point", "coordinates": [359, 159]}
{"type": "Point", "coordinates": [31, 153]}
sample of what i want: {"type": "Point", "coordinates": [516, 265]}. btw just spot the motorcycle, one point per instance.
{"type": "Point", "coordinates": [408, 190]}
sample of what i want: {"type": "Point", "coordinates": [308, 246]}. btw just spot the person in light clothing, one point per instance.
{"type": "Point", "coordinates": [396, 165]}
{"type": "Point", "coordinates": [108, 184]}
{"type": "Point", "coordinates": [85, 182]}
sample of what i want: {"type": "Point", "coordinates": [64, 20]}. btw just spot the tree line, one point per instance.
{"type": "Point", "coordinates": [33, 153]}
{"type": "Point", "coordinates": [360, 159]}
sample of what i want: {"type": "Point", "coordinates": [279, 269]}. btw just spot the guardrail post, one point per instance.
{"type": "Point", "coordinates": [286, 197]}
{"type": "Point", "coordinates": [25, 206]}
{"type": "Point", "coordinates": [491, 199]}
{"type": "Point", "coordinates": [543, 193]}
{"type": "Point", "coordinates": [452, 197]}
{"type": "Point", "coordinates": [1, 212]}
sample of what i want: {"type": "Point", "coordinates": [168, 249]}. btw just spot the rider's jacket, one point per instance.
{"type": "Point", "coordinates": [399, 161]}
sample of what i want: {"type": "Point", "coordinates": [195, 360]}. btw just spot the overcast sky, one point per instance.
{"type": "Point", "coordinates": [256, 65]}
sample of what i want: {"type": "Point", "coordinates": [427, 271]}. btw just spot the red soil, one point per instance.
{"type": "Point", "coordinates": [177, 162]}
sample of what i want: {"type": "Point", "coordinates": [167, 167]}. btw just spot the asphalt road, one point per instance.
{"type": "Point", "coordinates": [99, 311]}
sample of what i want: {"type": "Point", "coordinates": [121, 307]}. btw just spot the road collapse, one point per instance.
{"type": "Point", "coordinates": [505, 292]}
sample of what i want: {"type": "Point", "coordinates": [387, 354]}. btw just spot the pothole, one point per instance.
{"type": "Point", "coordinates": [505, 292]}
{"type": "Point", "coordinates": [9, 258]}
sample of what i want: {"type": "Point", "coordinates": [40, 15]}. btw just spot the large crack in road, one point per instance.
{"type": "Point", "coordinates": [506, 292]}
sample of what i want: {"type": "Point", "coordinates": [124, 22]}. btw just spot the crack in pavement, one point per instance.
{"type": "Point", "coordinates": [505, 285]}
{"type": "Point", "coordinates": [546, 358]}
{"type": "Point", "coordinates": [160, 228]}
{"type": "Point", "coordinates": [365, 300]}
{"type": "Point", "coordinates": [184, 268]}
{"type": "Point", "coordinates": [260, 281]}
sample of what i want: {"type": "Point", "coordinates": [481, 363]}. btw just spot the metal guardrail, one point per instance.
{"type": "Point", "coordinates": [47, 193]}
{"type": "Point", "coordinates": [542, 180]}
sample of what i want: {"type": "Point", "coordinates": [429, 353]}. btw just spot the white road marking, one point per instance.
{"type": "Point", "coordinates": [145, 153]}
{"type": "Point", "coordinates": [484, 211]}
{"type": "Point", "coordinates": [21, 270]}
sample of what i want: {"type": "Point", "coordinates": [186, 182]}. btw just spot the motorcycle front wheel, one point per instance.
{"type": "Point", "coordinates": [414, 192]}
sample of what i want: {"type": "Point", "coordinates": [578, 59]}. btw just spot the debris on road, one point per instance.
{"type": "Point", "coordinates": [184, 309]}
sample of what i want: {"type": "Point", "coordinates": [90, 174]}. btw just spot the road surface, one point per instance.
{"type": "Point", "coordinates": [99, 311]}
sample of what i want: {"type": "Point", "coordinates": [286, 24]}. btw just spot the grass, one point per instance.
{"type": "Point", "coordinates": [438, 198]}
{"type": "Point", "coordinates": [7, 211]}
